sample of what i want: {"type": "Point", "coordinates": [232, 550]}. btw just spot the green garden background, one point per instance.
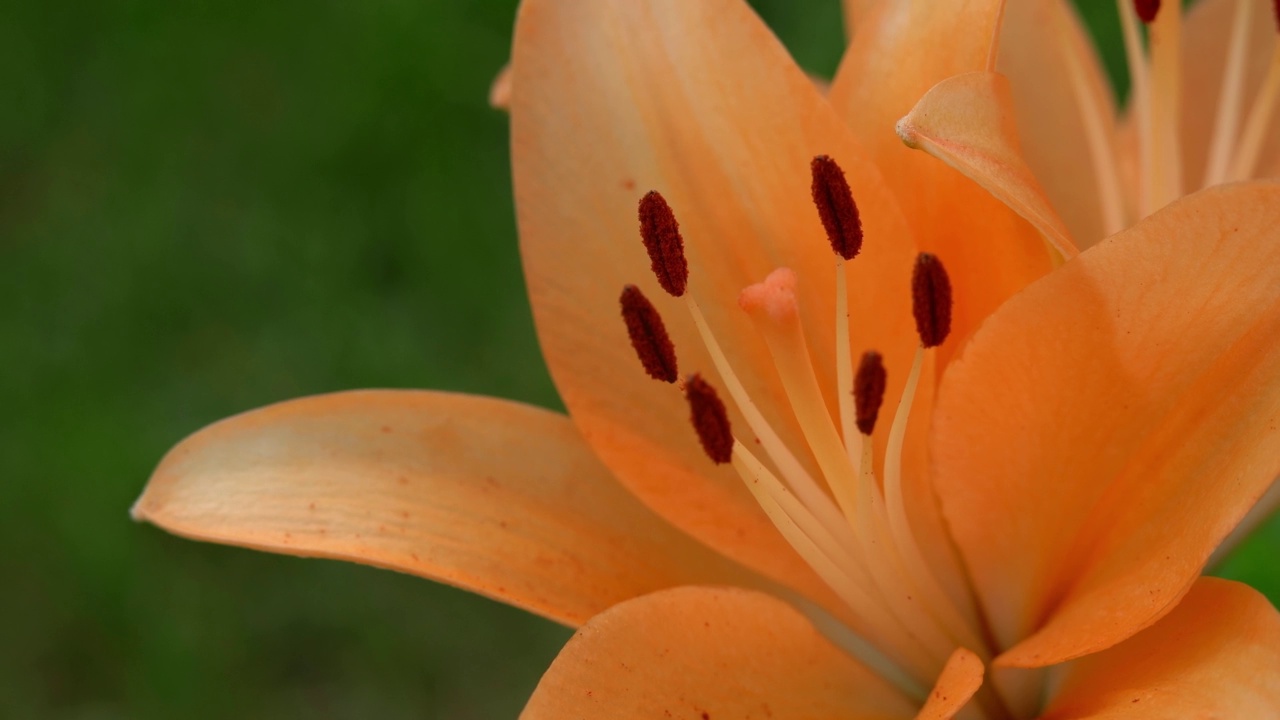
{"type": "Point", "coordinates": [210, 206]}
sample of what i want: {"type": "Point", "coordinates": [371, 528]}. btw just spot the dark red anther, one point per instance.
{"type": "Point", "coordinates": [709, 419]}
{"type": "Point", "coordinates": [1275, 5]}
{"type": "Point", "coordinates": [661, 235]}
{"type": "Point", "coordinates": [1146, 10]}
{"type": "Point", "coordinates": [836, 208]}
{"type": "Point", "coordinates": [868, 390]}
{"type": "Point", "coordinates": [931, 300]}
{"type": "Point", "coordinates": [648, 335]}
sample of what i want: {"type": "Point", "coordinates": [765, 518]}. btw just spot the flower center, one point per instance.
{"type": "Point", "coordinates": [849, 525]}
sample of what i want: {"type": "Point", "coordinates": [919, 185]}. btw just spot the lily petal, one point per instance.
{"type": "Point", "coordinates": [1262, 511]}
{"type": "Point", "coordinates": [704, 653]}
{"type": "Point", "coordinates": [967, 122]}
{"type": "Point", "coordinates": [612, 98]}
{"type": "Point", "coordinates": [894, 59]}
{"type": "Point", "coordinates": [500, 89]}
{"type": "Point", "coordinates": [492, 496]}
{"type": "Point", "coordinates": [1213, 656]}
{"type": "Point", "coordinates": [1064, 106]}
{"type": "Point", "coordinates": [960, 679]}
{"type": "Point", "coordinates": [1134, 390]}
{"type": "Point", "coordinates": [854, 12]}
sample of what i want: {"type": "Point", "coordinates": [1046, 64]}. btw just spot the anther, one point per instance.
{"type": "Point", "coordinates": [709, 419]}
{"type": "Point", "coordinates": [648, 335]}
{"type": "Point", "coordinates": [1146, 10]}
{"type": "Point", "coordinates": [1275, 5]}
{"type": "Point", "coordinates": [661, 235]}
{"type": "Point", "coordinates": [931, 300]}
{"type": "Point", "coordinates": [868, 390]}
{"type": "Point", "coordinates": [836, 208]}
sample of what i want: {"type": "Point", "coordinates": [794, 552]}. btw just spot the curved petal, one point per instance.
{"type": "Point", "coordinates": [1206, 32]}
{"type": "Point", "coordinates": [694, 652]}
{"type": "Point", "coordinates": [1133, 390]}
{"type": "Point", "coordinates": [960, 679]}
{"type": "Point", "coordinates": [491, 496]}
{"type": "Point", "coordinates": [612, 98]}
{"type": "Point", "coordinates": [854, 12]}
{"type": "Point", "coordinates": [967, 122]}
{"type": "Point", "coordinates": [1216, 655]}
{"type": "Point", "coordinates": [1263, 510]}
{"type": "Point", "coordinates": [900, 51]}
{"type": "Point", "coordinates": [1064, 106]}
{"type": "Point", "coordinates": [500, 89]}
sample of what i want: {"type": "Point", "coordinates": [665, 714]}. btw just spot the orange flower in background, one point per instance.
{"type": "Point", "coordinates": [1027, 466]}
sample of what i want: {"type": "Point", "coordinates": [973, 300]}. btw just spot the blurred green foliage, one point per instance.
{"type": "Point", "coordinates": [209, 206]}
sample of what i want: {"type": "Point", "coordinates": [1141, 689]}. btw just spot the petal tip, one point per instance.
{"type": "Point", "coordinates": [907, 133]}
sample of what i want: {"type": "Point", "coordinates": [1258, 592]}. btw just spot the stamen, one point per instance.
{"type": "Point", "coordinates": [868, 390]}
{"type": "Point", "coordinates": [1226, 123]}
{"type": "Point", "coordinates": [942, 606]}
{"type": "Point", "coordinates": [1139, 103]}
{"type": "Point", "coordinates": [844, 367]}
{"type": "Point", "coordinates": [836, 208]}
{"type": "Point", "coordinates": [709, 419]}
{"type": "Point", "coordinates": [840, 218]}
{"type": "Point", "coordinates": [1259, 122]}
{"type": "Point", "coordinates": [1165, 171]}
{"type": "Point", "coordinates": [893, 631]}
{"type": "Point", "coordinates": [648, 335]}
{"type": "Point", "coordinates": [799, 479]}
{"type": "Point", "coordinates": [1093, 116]}
{"type": "Point", "coordinates": [772, 304]}
{"type": "Point", "coordinates": [662, 240]}
{"type": "Point", "coordinates": [1146, 10]}
{"type": "Point", "coordinates": [931, 300]}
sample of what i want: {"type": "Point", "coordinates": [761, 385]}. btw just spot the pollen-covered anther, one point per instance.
{"type": "Point", "coordinates": [648, 335]}
{"type": "Point", "coordinates": [868, 390]}
{"type": "Point", "coordinates": [774, 297]}
{"type": "Point", "coordinates": [709, 418]}
{"type": "Point", "coordinates": [661, 235]}
{"type": "Point", "coordinates": [1146, 10]}
{"type": "Point", "coordinates": [931, 300]}
{"type": "Point", "coordinates": [836, 208]}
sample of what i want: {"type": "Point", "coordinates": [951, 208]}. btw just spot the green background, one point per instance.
{"type": "Point", "coordinates": [210, 206]}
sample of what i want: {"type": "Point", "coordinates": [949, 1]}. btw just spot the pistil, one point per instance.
{"type": "Point", "coordinates": [773, 306]}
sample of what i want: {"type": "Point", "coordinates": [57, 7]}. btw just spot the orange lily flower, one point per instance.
{"type": "Point", "coordinates": [1039, 490]}
{"type": "Point", "coordinates": [1040, 131]}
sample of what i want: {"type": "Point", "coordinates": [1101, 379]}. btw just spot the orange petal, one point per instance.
{"type": "Point", "coordinates": [1262, 511]}
{"type": "Point", "coordinates": [500, 90]}
{"type": "Point", "coordinates": [612, 98]}
{"type": "Point", "coordinates": [706, 654]}
{"type": "Point", "coordinates": [854, 12]}
{"type": "Point", "coordinates": [901, 50]}
{"type": "Point", "coordinates": [1132, 391]}
{"type": "Point", "coordinates": [1059, 91]}
{"type": "Point", "coordinates": [960, 679]}
{"type": "Point", "coordinates": [967, 122]}
{"type": "Point", "coordinates": [1215, 656]}
{"type": "Point", "coordinates": [1206, 31]}
{"type": "Point", "coordinates": [491, 496]}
